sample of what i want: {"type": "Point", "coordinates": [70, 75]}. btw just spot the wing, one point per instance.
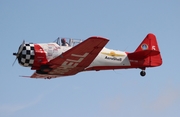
{"type": "Point", "coordinates": [36, 75]}
{"type": "Point", "coordinates": [76, 59]}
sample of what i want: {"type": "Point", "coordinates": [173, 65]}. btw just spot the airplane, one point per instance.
{"type": "Point", "coordinates": [63, 58]}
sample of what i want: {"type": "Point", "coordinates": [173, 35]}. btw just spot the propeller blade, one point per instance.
{"type": "Point", "coordinates": [21, 48]}
{"type": "Point", "coordinates": [14, 61]}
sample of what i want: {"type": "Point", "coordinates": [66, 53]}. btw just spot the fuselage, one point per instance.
{"type": "Point", "coordinates": [34, 55]}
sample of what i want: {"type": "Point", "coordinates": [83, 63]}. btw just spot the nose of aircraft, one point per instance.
{"type": "Point", "coordinates": [25, 55]}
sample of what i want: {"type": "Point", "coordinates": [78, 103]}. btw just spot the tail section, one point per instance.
{"type": "Point", "coordinates": [147, 54]}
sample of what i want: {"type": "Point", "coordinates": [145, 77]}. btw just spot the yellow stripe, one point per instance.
{"type": "Point", "coordinates": [112, 54]}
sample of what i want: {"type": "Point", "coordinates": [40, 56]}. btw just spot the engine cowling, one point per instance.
{"type": "Point", "coordinates": [37, 55]}
{"type": "Point", "coordinates": [27, 55]}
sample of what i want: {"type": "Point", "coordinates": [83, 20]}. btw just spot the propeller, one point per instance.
{"type": "Point", "coordinates": [19, 51]}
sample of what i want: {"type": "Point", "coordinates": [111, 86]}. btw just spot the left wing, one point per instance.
{"type": "Point", "coordinates": [46, 76]}
{"type": "Point", "coordinates": [75, 59]}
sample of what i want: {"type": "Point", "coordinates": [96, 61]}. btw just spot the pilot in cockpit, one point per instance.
{"type": "Point", "coordinates": [63, 42]}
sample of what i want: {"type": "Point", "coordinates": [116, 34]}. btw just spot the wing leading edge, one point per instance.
{"type": "Point", "coordinates": [75, 59]}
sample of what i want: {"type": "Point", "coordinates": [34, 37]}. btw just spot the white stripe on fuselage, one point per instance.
{"type": "Point", "coordinates": [109, 57]}
{"type": "Point", "coordinates": [53, 50]}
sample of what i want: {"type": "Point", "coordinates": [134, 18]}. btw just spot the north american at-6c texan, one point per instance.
{"type": "Point", "coordinates": [66, 58]}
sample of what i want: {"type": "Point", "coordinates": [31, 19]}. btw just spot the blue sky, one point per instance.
{"type": "Point", "coordinates": [91, 94]}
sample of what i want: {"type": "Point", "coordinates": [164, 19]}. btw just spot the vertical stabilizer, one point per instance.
{"type": "Point", "coordinates": [149, 43]}
{"type": "Point", "coordinates": [147, 53]}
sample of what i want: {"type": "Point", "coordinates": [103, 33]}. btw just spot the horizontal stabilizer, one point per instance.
{"type": "Point", "coordinates": [142, 54]}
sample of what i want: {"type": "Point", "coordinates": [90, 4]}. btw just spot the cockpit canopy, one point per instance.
{"type": "Point", "coordinates": [67, 41]}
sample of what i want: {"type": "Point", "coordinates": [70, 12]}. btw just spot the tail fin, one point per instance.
{"type": "Point", "coordinates": [148, 52]}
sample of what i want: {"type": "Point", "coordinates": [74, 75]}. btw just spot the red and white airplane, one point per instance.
{"type": "Point", "coordinates": [52, 60]}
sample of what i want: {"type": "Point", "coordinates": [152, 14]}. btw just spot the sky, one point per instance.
{"type": "Point", "coordinates": [91, 94]}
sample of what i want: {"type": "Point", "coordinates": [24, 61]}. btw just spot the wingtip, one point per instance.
{"type": "Point", "coordinates": [25, 76]}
